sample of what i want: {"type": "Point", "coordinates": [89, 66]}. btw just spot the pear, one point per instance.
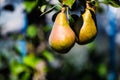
{"type": "Point", "coordinates": [61, 38]}
{"type": "Point", "coordinates": [88, 30]}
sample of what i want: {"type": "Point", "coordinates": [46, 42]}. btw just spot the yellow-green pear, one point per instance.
{"type": "Point", "coordinates": [85, 26]}
{"type": "Point", "coordinates": [88, 30]}
{"type": "Point", "coordinates": [61, 38]}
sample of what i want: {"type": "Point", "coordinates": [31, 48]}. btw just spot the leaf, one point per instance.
{"type": "Point", "coordinates": [70, 18]}
{"type": "Point", "coordinates": [29, 5]}
{"type": "Point", "coordinates": [47, 11]}
{"type": "Point", "coordinates": [47, 28]}
{"type": "Point", "coordinates": [32, 31]}
{"type": "Point", "coordinates": [19, 71]}
{"type": "Point", "coordinates": [31, 60]}
{"type": "Point", "coordinates": [43, 7]}
{"type": "Point", "coordinates": [48, 55]}
{"type": "Point", "coordinates": [114, 3]}
{"type": "Point", "coordinates": [57, 7]}
{"type": "Point", "coordinates": [102, 71]}
{"type": "Point", "coordinates": [68, 3]}
{"type": "Point", "coordinates": [17, 68]}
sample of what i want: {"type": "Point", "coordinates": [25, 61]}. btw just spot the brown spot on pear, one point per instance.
{"type": "Point", "coordinates": [62, 38]}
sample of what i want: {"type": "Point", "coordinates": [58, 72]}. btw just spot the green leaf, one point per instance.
{"type": "Point", "coordinates": [48, 55]}
{"type": "Point", "coordinates": [43, 7]}
{"type": "Point", "coordinates": [47, 11]}
{"type": "Point", "coordinates": [47, 28]}
{"type": "Point", "coordinates": [102, 70]}
{"type": "Point", "coordinates": [114, 3]}
{"type": "Point", "coordinates": [68, 3]}
{"type": "Point", "coordinates": [29, 5]}
{"type": "Point", "coordinates": [57, 7]}
{"type": "Point", "coordinates": [17, 68]}
{"type": "Point", "coordinates": [31, 60]}
{"type": "Point", "coordinates": [70, 18]}
{"type": "Point", "coordinates": [32, 31]}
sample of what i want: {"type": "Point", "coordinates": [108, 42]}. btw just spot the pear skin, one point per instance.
{"type": "Point", "coordinates": [89, 30]}
{"type": "Point", "coordinates": [61, 38]}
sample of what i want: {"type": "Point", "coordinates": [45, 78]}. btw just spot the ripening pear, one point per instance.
{"type": "Point", "coordinates": [88, 31]}
{"type": "Point", "coordinates": [61, 38]}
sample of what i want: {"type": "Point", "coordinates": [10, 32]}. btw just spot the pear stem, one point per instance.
{"type": "Point", "coordinates": [63, 9]}
{"type": "Point", "coordinates": [93, 8]}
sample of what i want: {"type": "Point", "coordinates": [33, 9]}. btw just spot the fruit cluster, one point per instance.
{"type": "Point", "coordinates": [63, 37]}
